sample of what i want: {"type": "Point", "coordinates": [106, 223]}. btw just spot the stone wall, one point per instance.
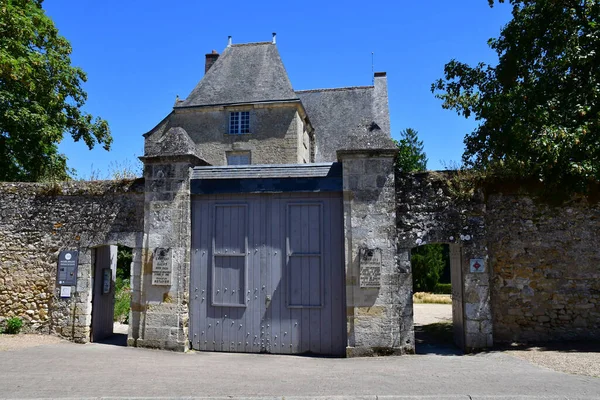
{"type": "Point", "coordinates": [428, 212]}
{"type": "Point", "coordinates": [542, 263]}
{"type": "Point", "coordinates": [546, 268]}
{"type": "Point", "coordinates": [37, 221]}
{"type": "Point", "coordinates": [160, 313]}
{"type": "Point", "coordinates": [375, 314]}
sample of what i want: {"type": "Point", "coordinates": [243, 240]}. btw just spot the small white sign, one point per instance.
{"type": "Point", "coordinates": [477, 265]}
{"type": "Point", "coordinates": [65, 291]}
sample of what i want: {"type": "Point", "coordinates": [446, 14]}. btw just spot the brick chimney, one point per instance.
{"type": "Point", "coordinates": [210, 60]}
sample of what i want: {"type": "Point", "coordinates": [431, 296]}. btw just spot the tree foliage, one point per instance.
{"type": "Point", "coordinates": [411, 156]}
{"type": "Point", "coordinates": [427, 264]}
{"type": "Point", "coordinates": [41, 96]}
{"type": "Point", "coordinates": [539, 107]}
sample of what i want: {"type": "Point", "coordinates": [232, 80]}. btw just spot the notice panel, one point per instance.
{"type": "Point", "coordinates": [67, 267]}
{"type": "Point", "coordinates": [370, 268]}
{"type": "Point", "coordinates": [162, 267]}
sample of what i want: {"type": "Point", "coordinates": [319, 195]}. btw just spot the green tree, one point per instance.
{"type": "Point", "coordinates": [539, 107]}
{"type": "Point", "coordinates": [41, 96]}
{"type": "Point", "coordinates": [411, 156]}
{"type": "Point", "coordinates": [427, 264]}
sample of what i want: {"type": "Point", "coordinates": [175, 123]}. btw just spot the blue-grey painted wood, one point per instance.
{"type": "Point", "coordinates": [103, 304]}
{"type": "Point", "coordinates": [256, 171]}
{"type": "Point", "coordinates": [267, 178]}
{"type": "Point", "coordinates": [289, 247]}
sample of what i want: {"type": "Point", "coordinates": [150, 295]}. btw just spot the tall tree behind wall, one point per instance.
{"type": "Point", "coordinates": [411, 155]}
{"type": "Point", "coordinates": [539, 107]}
{"type": "Point", "coordinates": [41, 96]}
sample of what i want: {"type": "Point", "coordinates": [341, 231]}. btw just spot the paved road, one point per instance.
{"type": "Point", "coordinates": [68, 370]}
{"type": "Point", "coordinates": [431, 313]}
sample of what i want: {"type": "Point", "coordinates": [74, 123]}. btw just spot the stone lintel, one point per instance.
{"type": "Point", "coordinates": [366, 153]}
{"type": "Point", "coordinates": [174, 158]}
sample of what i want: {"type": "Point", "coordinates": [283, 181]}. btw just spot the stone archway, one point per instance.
{"type": "Point", "coordinates": [427, 213]}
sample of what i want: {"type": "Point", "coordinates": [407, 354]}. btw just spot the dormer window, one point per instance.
{"type": "Point", "coordinates": [239, 122]}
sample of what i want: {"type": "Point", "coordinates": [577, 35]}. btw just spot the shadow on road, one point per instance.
{"type": "Point", "coordinates": [117, 339]}
{"type": "Point", "coordinates": [436, 338]}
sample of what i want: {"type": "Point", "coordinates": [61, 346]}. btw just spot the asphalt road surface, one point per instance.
{"type": "Point", "coordinates": [67, 370]}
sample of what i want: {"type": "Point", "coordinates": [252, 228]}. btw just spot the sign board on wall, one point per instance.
{"type": "Point", "coordinates": [370, 268]}
{"type": "Point", "coordinates": [162, 266]}
{"type": "Point", "coordinates": [477, 265]}
{"type": "Point", "coordinates": [67, 267]}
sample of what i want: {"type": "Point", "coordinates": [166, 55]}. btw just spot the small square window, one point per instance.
{"type": "Point", "coordinates": [239, 122]}
{"type": "Point", "coordinates": [238, 158]}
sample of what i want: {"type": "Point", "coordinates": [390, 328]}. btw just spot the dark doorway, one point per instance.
{"type": "Point", "coordinates": [111, 295]}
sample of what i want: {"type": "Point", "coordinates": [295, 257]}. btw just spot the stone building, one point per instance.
{"type": "Point", "coordinates": [273, 220]}
{"type": "Point", "coordinates": [245, 111]}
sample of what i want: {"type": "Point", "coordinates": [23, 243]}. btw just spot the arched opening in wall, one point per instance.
{"type": "Point", "coordinates": [111, 294]}
{"type": "Point", "coordinates": [432, 299]}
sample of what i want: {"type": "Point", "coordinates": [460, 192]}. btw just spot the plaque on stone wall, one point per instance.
{"type": "Point", "coordinates": [162, 266]}
{"type": "Point", "coordinates": [370, 268]}
{"type": "Point", "coordinates": [67, 267]}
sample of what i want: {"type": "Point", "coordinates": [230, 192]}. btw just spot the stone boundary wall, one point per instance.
{"type": "Point", "coordinates": [546, 268]}
{"type": "Point", "coordinates": [542, 280]}
{"type": "Point", "coordinates": [427, 212]}
{"type": "Point", "coordinates": [37, 220]}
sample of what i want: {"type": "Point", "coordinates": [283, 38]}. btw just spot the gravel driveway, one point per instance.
{"type": "Point", "coordinates": [17, 342]}
{"type": "Point", "coordinates": [581, 358]}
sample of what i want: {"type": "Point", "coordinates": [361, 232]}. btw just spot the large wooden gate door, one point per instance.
{"type": "Point", "coordinates": [267, 273]}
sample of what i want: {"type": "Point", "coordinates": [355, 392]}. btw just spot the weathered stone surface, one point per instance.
{"type": "Point", "coordinates": [546, 268]}
{"type": "Point", "coordinates": [39, 220]}
{"type": "Point", "coordinates": [375, 314]}
{"type": "Point", "coordinates": [542, 280]}
{"type": "Point", "coordinates": [428, 212]}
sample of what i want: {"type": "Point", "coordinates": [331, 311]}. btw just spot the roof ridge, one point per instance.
{"type": "Point", "coordinates": [334, 89]}
{"type": "Point", "coordinates": [250, 44]}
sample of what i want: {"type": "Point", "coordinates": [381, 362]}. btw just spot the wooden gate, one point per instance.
{"type": "Point", "coordinates": [456, 278]}
{"type": "Point", "coordinates": [103, 292]}
{"type": "Point", "coordinates": [267, 273]}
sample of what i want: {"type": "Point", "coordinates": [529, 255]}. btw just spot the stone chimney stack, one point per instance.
{"type": "Point", "coordinates": [381, 110]}
{"type": "Point", "coordinates": [210, 60]}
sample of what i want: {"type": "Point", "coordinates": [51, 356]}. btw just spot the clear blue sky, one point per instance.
{"type": "Point", "coordinates": [140, 54]}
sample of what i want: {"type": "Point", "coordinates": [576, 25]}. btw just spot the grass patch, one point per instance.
{"type": "Point", "coordinates": [431, 298]}
{"type": "Point", "coordinates": [122, 301]}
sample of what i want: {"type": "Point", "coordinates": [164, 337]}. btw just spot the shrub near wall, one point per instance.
{"type": "Point", "coordinates": [36, 222]}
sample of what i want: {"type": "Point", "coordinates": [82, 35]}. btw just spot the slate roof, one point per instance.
{"type": "Point", "coordinates": [244, 73]}
{"type": "Point", "coordinates": [175, 141]}
{"type": "Point", "coordinates": [345, 118]}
